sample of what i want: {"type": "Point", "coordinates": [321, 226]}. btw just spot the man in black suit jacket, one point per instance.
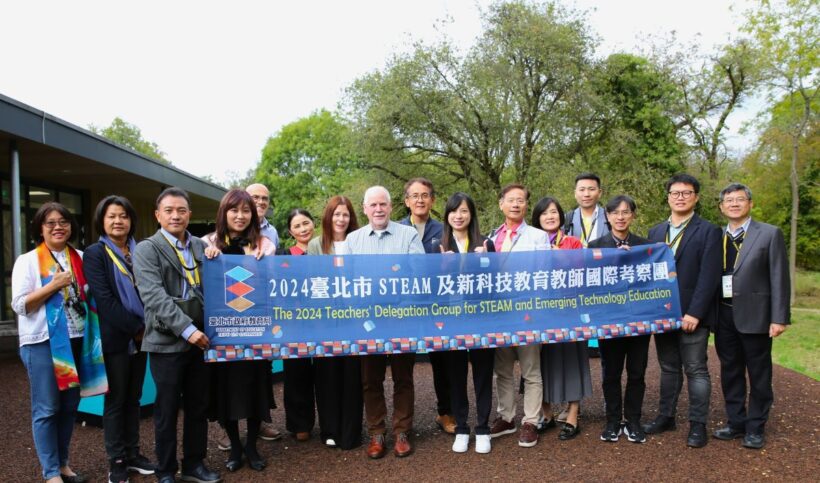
{"type": "Point", "coordinates": [696, 244]}
{"type": "Point", "coordinates": [753, 309]}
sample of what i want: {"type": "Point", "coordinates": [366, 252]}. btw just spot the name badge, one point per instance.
{"type": "Point", "coordinates": [727, 286]}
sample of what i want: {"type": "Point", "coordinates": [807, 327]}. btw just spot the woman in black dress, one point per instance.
{"type": "Point", "coordinates": [240, 389]}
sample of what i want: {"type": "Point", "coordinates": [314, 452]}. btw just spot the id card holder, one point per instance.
{"type": "Point", "coordinates": [727, 286]}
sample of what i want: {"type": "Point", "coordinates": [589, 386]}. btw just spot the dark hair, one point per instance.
{"type": "Point", "coordinates": [233, 199]}
{"type": "Point", "coordinates": [294, 213]}
{"type": "Point", "coordinates": [735, 187]}
{"type": "Point", "coordinates": [685, 179]}
{"type": "Point", "coordinates": [424, 181]}
{"type": "Point", "coordinates": [542, 206]}
{"type": "Point", "coordinates": [102, 209]}
{"type": "Point", "coordinates": [327, 220]}
{"type": "Point", "coordinates": [172, 191]}
{"type": "Point", "coordinates": [592, 176]}
{"type": "Point", "coordinates": [514, 186]}
{"type": "Point", "coordinates": [43, 212]}
{"type": "Point", "coordinates": [473, 232]}
{"type": "Point", "coordinates": [616, 201]}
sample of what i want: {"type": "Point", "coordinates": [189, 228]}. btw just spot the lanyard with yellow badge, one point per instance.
{"type": "Point", "coordinates": [193, 279]}
{"type": "Point", "coordinates": [727, 279]}
{"type": "Point", "coordinates": [676, 241]}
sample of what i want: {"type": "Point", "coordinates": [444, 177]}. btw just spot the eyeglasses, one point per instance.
{"type": "Point", "coordinates": [419, 196]}
{"type": "Point", "coordinates": [52, 224]}
{"type": "Point", "coordinates": [260, 198]}
{"type": "Point", "coordinates": [731, 201]}
{"type": "Point", "coordinates": [621, 213]}
{"type": "Point", "coordinates": [681, 194]}
{"type": "Point", "coordinates": [517, 201]}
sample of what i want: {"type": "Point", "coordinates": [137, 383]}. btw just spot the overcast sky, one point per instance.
{"type": "Point", "coordinates": [209, 82]}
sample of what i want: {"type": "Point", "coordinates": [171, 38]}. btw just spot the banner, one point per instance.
{"type": "Point", "coordinates": [321, 306]}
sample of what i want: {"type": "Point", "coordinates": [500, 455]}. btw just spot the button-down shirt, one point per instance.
{"type": "Point", "coordinates": [674, 230]}
{"type": "Point", "coordinates": [269, 231]}
{"type": "Point", "coordinates": [188, 256]}
{"type": "Point", "coordinates": [394, 239]}
{"type": "Point", "coordinates": [744, 227]}
{"type": "Point", "coordinates": [501, 235]}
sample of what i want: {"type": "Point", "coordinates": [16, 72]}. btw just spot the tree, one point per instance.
{"type": "Point", "coordinates": [787, 32]}
{"type": "Point", "coordinates": [130, 136]}
{"type": "Point", "coordinates": [305, 163]}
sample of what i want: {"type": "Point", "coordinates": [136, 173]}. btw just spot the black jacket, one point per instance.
{"type": "Point", "coordinates": [117, 325]}
{"type": "Point", "coordinates": [607, 241]}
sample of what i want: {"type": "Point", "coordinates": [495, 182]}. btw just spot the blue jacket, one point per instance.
{"type": "Point", "coordinates": [432, 234]}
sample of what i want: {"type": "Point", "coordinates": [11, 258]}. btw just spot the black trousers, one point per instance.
{"type": "Point", "coordinates": [182, 381]}
{"type": "Point", "coordinates": [741, 353]}
{"type": "Point", "coordinates": [482, 361]}
{"type": "Point", "coordinates": [441, 382]}
{"type": "Point", "coordinates": [339, 400]}
{"type": "Point", "coordinates": [634, 351]}
{"type": "Point", "coordinates": [121, 407]}
{"type": "Point", "coordinates": [300, 406]}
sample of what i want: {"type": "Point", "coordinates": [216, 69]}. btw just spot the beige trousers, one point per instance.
{"type": "Point", "coordinates": [529, 359]}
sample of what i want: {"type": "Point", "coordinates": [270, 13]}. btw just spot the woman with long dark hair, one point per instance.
{"type": "Point", "coordinates": [461, 234]}
{"type": "Point", "coordinates": [240, 389]}
{"type": "Point", "coordinates": [110, 273]}
{"type": "Point", "coordinates": [338, 380]}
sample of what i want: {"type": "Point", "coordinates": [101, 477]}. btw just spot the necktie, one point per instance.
{"type": "Point", "coordinates": [507, 245]}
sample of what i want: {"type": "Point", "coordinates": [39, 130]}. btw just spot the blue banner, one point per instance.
{"type": "Point", "coordinates": [319, 306]}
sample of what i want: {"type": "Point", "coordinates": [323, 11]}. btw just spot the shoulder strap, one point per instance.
{"type": "Point", "coordinates": [568, 222]}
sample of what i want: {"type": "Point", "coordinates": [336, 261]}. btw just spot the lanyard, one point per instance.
{"type": "Point", "coordinates": [556, 242]}
{"type": "Point", "coordinates": [584, 235]}
{"type": "Point", "coordinates": [737, 247]}
{"type": "Point", "coordinates": [193, 280]}
{"type": "Point", "coordinates": [66, 293]}
{"type": "Point", "coordinates": [676, 241]}
{"type": "Point", "coordinates": [119, 265]}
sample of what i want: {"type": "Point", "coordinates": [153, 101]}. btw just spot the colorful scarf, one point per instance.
{"type": "Point", "coordinates": [90, 378]}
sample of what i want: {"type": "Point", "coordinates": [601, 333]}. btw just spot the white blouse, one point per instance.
{"type": "Point", "coordinates": [25, 279]}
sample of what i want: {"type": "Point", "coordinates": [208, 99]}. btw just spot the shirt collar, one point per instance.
{"type": "Point", "coordinates": [373, 231]}
{"type": "Point", "coordinates": [744, 227]}
{"type": "Point", "coordinates": [683, 223]}
{"type": "Point", "coordinates": [264, 223]}
{"type": "Point", "coordinates": [175, 241]}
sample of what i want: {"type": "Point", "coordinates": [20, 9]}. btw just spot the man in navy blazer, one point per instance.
{"type": "Point", "coordinates": [696, 244]}
{"type": "Point", "coordinates": [419, 197]}
{"type": "Point", "coordinates": [753, 309]}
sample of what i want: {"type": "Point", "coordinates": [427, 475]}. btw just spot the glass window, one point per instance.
{"type": "Point", "coordinates": [73, 202]}
{"type": "Point", "coordinates": [38, 196]}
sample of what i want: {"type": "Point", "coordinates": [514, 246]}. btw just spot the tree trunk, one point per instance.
{"type": "Point", "coordinates": [795, 208]}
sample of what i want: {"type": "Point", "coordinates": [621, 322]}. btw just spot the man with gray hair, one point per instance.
{"type": "Point", "coordinates": [753, 309]}
{"type": "Point", "coordinates": [382, 236]}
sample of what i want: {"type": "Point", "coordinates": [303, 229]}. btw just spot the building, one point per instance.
{"type": "Point", "coordinates": [51, 159]}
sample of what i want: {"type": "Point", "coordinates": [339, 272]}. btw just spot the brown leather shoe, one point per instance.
{"type": "Point", "coordinates": [375, 449]}
{"type": "Point", "coordinates": [268, 432]}
{"type": "Point", "coordinates": [447, 423]}
{"type": "Point", "coordinates": [303, 436]}
{"type": "Point", "coordinates": [402, 447]}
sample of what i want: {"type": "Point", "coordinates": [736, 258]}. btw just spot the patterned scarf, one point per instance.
{"type": "Point", "coordinates": [90, 378]}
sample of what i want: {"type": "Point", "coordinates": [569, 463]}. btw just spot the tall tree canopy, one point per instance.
{"type": "Point", "coordinates": [130, 136]}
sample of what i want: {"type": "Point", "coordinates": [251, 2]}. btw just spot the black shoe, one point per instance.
{"type": "Point", "coordinates": [754, 441]}
{"type": "Point", "coordinates": [117, 472]}
{"type": "Point", "coordinates": [256, 464]}
{"type": "Point", "coordinates": [233, 464]}
{"type": "Point", "coordinates": [611, 432]}
{"type": "Point", "coordinates": [697, 435]}
{"type": "Point", "coordinates": [728, 433]}
{"type": "Point", "coordinates": [659, 425]}
{"type": "Point", "coordinates": [568, 431]}
{"type": "Point", "coordinates": [75, 478]}
{"type": "Point", "coordinates": [200, 474]}
{"type": "Point", "coordinates": [141, 465]}
{"type": "Point", "coordinates": [166, 479]}
{"type": "Point", "coordinates": [544, 425]}
{"type": "Point", "coordinates": [634, 433]}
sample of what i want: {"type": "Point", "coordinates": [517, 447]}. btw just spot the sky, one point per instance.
{"type": "Point", "coordinates": [209, 82]}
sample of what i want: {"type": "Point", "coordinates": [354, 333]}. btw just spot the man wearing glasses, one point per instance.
{"type": "Point", "coordinates": [261, 196]}
{"type": "Point", "coordinates": [696, 245]}
{"type": "Point", "coordinates": [753, 309]}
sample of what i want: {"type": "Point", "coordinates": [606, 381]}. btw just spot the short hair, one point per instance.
{"type": "Point", "coordinates": [327, 220]}
{"type": "Point", "coordinates": [592, 176]}
{"type": "Point", "coordinates": [373, 190]}
{"type": "Point", "coordinates": [685, 179]}
{"type": "Point", "coordinates": [616, 201]}
{"type": "Point", "coordinates": [542, 206]}
{"type": "Point", "coordinates": [232, 199]}
{"type": "Point", "coordinates": [102, 209]}
{"type": "Point", "coordinates": [173, 191]}
{"type": "Point", "coordinates": [423, 181]}
{"type": "Point", "coordinates": [732, 187]}
{"type": "Point", "coordinates": [514, 186]}
{"type": "Point", "coordinates": [296, 212]}
{"type": "Point", "coordinates": [43, 212]}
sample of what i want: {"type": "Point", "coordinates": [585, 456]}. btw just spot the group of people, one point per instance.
{"type": "Point", "coordinates": [148, 298]}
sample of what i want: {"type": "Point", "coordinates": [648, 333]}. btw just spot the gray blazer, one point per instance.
{"type": "Point", "coordinates": [160, 281]}
{"type": "Point", "coordinates": [760, 283]}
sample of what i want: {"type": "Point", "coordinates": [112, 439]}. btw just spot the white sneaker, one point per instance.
{"type": "Point", "coordinates": [330, 442]}
{"type": "Point", "coordinates": [461, 443]}
{"type": "Point", "coordinates": [483, 443]}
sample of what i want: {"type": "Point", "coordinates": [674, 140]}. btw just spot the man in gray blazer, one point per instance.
{"type": "Point", "coordinates": [166, 267]}
{"type": "Point", "coordinates": [753, 309]}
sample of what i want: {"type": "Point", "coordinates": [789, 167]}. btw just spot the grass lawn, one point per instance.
{"type": "Point", "coordinates": [799, 347]}
{"type": "Point", "coordinates": [808, 289]}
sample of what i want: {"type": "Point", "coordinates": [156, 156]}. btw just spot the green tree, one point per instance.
{"type": "Point", "coordinates": [305, 163]}
{"type": "Point", "coordinates": [130, 136]}
{"type": "Point", "coordinates": [787, 32]}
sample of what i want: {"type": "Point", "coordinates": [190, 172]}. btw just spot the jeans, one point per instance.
{"type": "Point", "coordinates": [121, 410]}
{"type": "Point", "coordinates": [52, 411]}
{"type": "Point", "coordinates": [679, 353]}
